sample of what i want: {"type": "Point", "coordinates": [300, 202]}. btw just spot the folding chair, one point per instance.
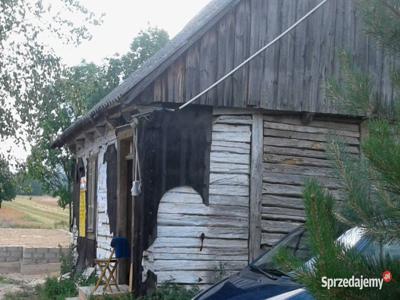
{"type": "Point", "coordinates": [120, 247]}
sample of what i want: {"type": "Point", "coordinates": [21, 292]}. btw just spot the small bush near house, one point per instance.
{"type": "Point", "coordinates": [165, 292]}
{"type": "Point", "coordinates": [171, 292]}
{"type": "Point", "coordinates": [54, 289]}
{"type": "Point", "coordinates": [67, 259]}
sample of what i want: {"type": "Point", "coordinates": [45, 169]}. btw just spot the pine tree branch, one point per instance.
{"type": "Point", "coordinates": [391, 8]}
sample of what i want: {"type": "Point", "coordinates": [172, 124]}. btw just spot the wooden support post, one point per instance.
{"type": "Point", "coordinates": [363, 131]}
{"type": "Point", "coordinates": [122, 190]}
{"type": "Point", "coordinates": [256, 175]}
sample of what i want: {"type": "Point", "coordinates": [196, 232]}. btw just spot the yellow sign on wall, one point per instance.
{"type": "Point", "coordinates": [82, 214]}
{"type": "Point", "coordinates": [82, 208]}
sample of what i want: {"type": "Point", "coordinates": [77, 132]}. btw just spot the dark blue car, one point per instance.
{"type": "Point", "coordinates": [264, 279]}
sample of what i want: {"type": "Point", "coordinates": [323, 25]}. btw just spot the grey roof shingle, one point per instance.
{"type": "Point", "coordinates": [208, 14]}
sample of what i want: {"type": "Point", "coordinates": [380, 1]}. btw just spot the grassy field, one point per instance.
{"type": "Point", "coordinates": [33, 212]}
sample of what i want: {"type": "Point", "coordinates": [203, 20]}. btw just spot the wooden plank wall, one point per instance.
{"type": "Point", "coordinates": [99, 145]}
{"type": "Point", "coordinates": [293, 153]}
{"type": "Point", "coordinates": [103, 226]}
{"type": "Point", "coordinates": [290, 76]}
{"type": "Point", "coordinates": [177, 255]}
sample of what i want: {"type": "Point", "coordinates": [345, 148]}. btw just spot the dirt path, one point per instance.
{"type": "Point", "coordinates": [41, 238]}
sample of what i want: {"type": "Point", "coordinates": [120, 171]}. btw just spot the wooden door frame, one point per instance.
{"type": "Point", "coordinates": [124, 137]}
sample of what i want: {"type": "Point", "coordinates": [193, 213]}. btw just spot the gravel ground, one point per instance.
{"type": "Point", "coordinates": [12, 283]}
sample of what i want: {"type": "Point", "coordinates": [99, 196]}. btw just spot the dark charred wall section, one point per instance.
{"type": "Point", "coordinates": [174, 150]}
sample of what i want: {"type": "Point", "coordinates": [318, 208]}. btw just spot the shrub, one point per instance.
{"type": "Point", "coordinates": [54, 289]}
{"type": "Point", "coordinates": [67, 260]}
{"type": "Point", "coordinates": [171, 292]}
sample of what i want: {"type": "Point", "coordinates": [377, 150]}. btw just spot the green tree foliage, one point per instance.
{"type": "Point", "coordinates": [25, 185]}
{"type": "Point", "coordinates": [371, 182]}
{"type": "Point", "coordinates": [74, 93]}
{"type": "Point", "coordinates": [27, 64]}
{"type": "Point", "coordinates": [334, 260]}
{"type": "Point", "coordinates": [7, 182]}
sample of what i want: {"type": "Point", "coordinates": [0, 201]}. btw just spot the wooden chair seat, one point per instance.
{"type": "Point", "coordinates": [107, 265]}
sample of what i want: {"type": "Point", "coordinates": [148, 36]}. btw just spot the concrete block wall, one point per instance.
{"type": "Point", "coordinates": [10, 254]}
{"type": "Point", "coordinates": [40, 255]}
{"type": "Point", "coordinates": [30, 260]}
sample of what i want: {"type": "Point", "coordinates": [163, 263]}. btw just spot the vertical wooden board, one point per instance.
{"type": "Point", "coordinates": [348, 26]}
{"type": "Point", "coordinates": [380, 58]}
{"type": "Point", "coordinates": [171, 83]}
{"type": "Point", "coordinates": [192, 71]}
{"type": "Point", "coordinates": [208, 66]}
{"type": "Point", "coordinates": [339, 46]}
{"type": "Point", "coordinates": [256, 186]}
{"type": "Point", "coordinates": [323, 43]}
{"type": "Point", "coordinates": [160, 89]}
{"type": "Point", "coordinates": [242, 41]}
{"type": "Point", "coordinates": [226, 42]}
{"type": "Point", "coordinates": [291, 46]}
{"type": "Point", "coordinates": [387, 90]}
{"type": "Point", "coordinates": [147, 96]}
{"type": "Point", "coordinates": [310, 57]}
{"type": "Point", "coordinates": [269, 85]}
{"type": "Point", "coordinates": [327, 61]}
{"type": "Point", "coordinates": [315, 48]}
{"type": "Point", "coordinates": [258, 38]}
{"type": "Point", "coordinates": [176, 81]}
{"type": "Point", "coordinates": [300, 50]}
{"type": "Point", "coordinates": [283, 57]}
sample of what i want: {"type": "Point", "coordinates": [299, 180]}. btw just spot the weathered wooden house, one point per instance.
{"type": "Point", "coordinates": [221, 179]}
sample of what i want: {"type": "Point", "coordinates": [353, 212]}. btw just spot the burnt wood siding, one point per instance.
{"type": "Point", "coordinates": [293, 153]}
{"type": "Point", "coordinates": [179, 254]}
{"type": "Point", "coordinates": [289, 76]}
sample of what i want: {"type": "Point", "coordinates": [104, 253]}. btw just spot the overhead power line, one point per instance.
{"type": "Point", "coordinates": [293, 26]}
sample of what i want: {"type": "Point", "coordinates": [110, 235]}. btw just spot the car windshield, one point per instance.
{"type": "Point", "coordinates": [294, 244]}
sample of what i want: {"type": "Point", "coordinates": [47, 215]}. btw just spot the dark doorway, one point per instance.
{"type": "Point", "coordinates": [124, 199]}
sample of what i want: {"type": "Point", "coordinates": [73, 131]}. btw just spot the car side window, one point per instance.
{"type": "Point", "coordinates": [375, 248]}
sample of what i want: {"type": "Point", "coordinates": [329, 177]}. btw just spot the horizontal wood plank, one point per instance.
{"type": "Point", "coordinates": [189, 220]}
{"type": "Point", "coordinates": [294, 179]}
{"type": "Point", "coordinates": [231, 128]}
{"type": "Point", "coordinates": [281, 201]}
{"type": "Point", "coordinates": [202, 210]}
{"type": "Point", "coordinates": [324, 123]}
{"type": "Point", "coordinates": [232, 190]}
{"type": "Point", "coordinates": [310, 129]}
{"type": "Point", "coordinates": [226, 157]}
{"type": "Point", "coordinates": [189, 242]}
{"type": "Point", "coordinates": [302, 144]}
{"type": "Point", "coordinates": [229, 119]}
{"type": "Point", "coordinates": [229, 179]}
{"type": "Point", "coordinates": [231, 137]}
{"type": "Point", "coordinates": [231, 168]}
{"type": "Point", "coordinates": [196, 231]}
{"type": "Point", "coordinates": [321, 137]}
